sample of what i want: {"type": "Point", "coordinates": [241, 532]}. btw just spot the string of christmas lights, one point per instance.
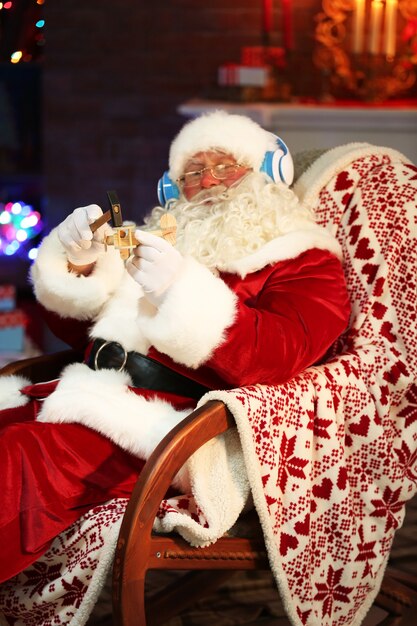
{"type": "Point", "coordinates": [30, 40]}
{"type": "Point", "coordinates": [19, 224]}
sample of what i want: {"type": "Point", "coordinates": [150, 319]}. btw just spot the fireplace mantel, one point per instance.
{"type": "Point", "coordinates": [309, 126]}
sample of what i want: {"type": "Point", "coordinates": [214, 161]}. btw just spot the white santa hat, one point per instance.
{"type": "Point", "coordinates": [235, 134]}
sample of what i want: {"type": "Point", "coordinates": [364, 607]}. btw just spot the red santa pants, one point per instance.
{"type": "Point", "coordinates": [51, 474]}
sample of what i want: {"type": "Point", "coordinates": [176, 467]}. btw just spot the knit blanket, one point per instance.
{"type": "Point", "coordinates": [330, 457]}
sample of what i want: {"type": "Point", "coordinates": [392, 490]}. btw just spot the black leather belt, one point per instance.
{"type": "Point", "coordinates": [146, 373]}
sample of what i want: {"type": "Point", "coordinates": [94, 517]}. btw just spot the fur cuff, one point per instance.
{"type": "Point", "coordinates": [192, 320]}
{"type": "Point", "coordinates": [67, 294]}
{"type": "Point", "coordinates": [103, 401]}
{"type": "Point", "coordinates": [10, 396]}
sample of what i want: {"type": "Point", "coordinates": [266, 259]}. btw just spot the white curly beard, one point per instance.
{"type": "Point", "coordinates": [221, 225]}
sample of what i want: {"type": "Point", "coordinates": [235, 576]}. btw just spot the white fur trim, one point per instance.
{"type": "Point", "coordinates": [220, 487]}
{"type": "Point", "coordinates": [119, 320]}
{"type": "Point", "coordinates": [192, 320]}
{"type": "Point", "coordinates": [10, 396]}
{"type": "Point", "coordinates": [67, 294]}
{"type": "Point", "coordinates": [288, 246]}
{"type": "Point", "coordinates": [103, 401]}
{"type": "Point", "coordinates": [236, 134]}
{"type": "Point", "coordinates": [318, 175]}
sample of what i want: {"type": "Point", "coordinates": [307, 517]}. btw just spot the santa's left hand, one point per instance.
{"type": "Point", "coordinates": [155, 264]}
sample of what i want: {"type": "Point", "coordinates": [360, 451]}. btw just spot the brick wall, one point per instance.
{"type": "Point", "coordinates": [113, 76]}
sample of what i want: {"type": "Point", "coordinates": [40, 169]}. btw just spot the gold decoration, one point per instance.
{"type": "Point", "coordinates": [124, 240]}
{"type": "Point", "coordinates": [357, 52]}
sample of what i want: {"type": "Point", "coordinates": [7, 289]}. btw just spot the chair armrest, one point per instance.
{"type": "Point", "coordinates": [41, 368]}
{"type": "Point", "coordinates": [154, 481]}
{"type": "Point", "coordinates": [167, 459]}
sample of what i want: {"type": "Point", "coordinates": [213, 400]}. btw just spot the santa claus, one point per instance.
{"type": "Point", "coordinates": [252, 292]}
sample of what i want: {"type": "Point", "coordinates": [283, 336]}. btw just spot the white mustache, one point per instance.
{"type": "Point", "coordinates": [219, 192]}
{"type": "Point", "coordinates": [213, 193]}
{"type": "Point", "coordinates": [208, 196]}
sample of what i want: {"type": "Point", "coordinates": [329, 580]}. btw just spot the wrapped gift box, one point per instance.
{"type": "Point", "coordinates": [12, 331]}
{"type": "Point", "coordinates": [7, 297]}
{"type": "Point", "coordinates": [241, 75]}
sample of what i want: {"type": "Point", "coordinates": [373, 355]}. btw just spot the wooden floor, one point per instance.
{"type": "Point", "coordinates": [251, 599]}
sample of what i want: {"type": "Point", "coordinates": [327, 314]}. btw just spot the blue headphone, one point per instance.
{"type": "Point", "coordinates": [277, 164]}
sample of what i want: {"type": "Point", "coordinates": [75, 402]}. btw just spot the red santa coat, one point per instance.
{"type": "Point", "coordinates": [262, 319]}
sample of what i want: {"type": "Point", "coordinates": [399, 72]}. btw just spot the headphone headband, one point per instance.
{"type": "Point", "coordinates": [277, 164]}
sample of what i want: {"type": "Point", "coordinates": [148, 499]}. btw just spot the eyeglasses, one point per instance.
{"type": "Point", "coordinates": [220, 172]}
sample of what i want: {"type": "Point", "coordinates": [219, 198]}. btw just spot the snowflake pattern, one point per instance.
{"type": "Point", "coordinates": [51, 591]}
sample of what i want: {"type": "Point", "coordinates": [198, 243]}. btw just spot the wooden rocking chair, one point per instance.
{"type": "Point", "coordinates": [140, 550]}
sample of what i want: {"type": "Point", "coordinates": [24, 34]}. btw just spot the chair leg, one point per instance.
{"type": "Point", "coordinates": [130, 610]}
{"type": "Point", "coordinates": [184, 591]}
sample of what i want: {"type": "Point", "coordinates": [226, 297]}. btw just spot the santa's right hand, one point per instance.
{"type": "Point", "coordinates": [81, 245]}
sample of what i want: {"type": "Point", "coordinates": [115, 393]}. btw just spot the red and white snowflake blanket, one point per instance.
{"type": "Point", "coordinates": [330, 456]}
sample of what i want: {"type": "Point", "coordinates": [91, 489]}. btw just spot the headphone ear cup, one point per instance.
{"type": "Point", "coordinates": [167, 190]}
{"type": "Point", "coordinates": [278, 164]}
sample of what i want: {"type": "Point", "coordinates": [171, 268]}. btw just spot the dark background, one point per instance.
{"type": "Point", "coordinates": [93, 105]}
{"type": "Point", "coordinates": [98, 102]}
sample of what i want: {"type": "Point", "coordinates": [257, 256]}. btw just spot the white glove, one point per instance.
{"type": "Point", "coordinates": [155, 265]}
{"type": "Point", "coordinates": [81, 245]}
